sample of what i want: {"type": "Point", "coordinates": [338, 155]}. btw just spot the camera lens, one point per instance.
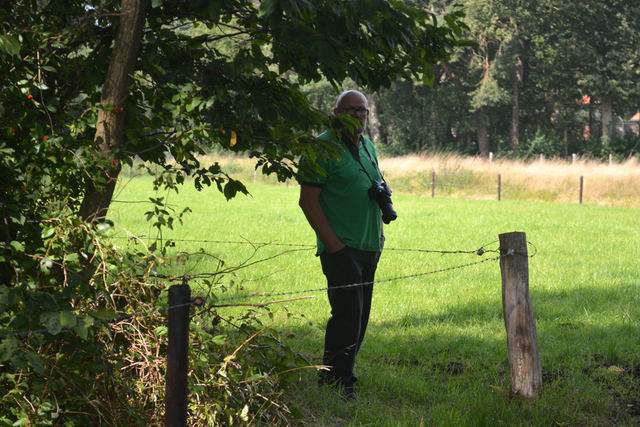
{"type": "Point", "coordinates": [381, 193]}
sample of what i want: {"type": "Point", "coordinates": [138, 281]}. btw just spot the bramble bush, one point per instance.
{"type": "Point", "coordinates": [84, 326]}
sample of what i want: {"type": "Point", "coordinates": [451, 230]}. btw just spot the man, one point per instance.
{"type": "Point", "coordinates": [349, 236]}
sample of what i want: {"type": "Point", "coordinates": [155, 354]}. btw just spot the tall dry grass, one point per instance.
{"type": "Point", "coordinates": [554, 180]}
{"type": "Point", "coordinates": [456, 176]}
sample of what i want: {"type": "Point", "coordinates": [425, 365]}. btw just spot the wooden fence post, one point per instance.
{"type": "Point", "coordinates": [499, 184]}
{"type": "Point", "coordinates": [433, 184]}
{"type": "Point", "coordinates": [522, 339]}
{"type": "Point", "coordinates": [581, 187]}
{"type": "Point", "coordinates": [177, 357]}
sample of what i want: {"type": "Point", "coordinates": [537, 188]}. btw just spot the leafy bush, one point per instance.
{"type": "Point", "coordinates": [546, 142]}
{"type": "Point", "coordinates": [84, 341]}
{"type": "Point", "coordinates": [621, 146]}
{"type": "Point", "coordinates": [69, 347]}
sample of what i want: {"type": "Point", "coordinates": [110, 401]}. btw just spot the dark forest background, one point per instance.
{"type": "Point", "coordinates": [546, 77]}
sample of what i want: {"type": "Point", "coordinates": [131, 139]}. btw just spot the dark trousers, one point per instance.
{"type": "Point", "coordinates": [350, 309]}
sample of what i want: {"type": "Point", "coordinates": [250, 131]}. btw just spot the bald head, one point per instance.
{"type": "Point", "coordinates": [350, 95]}
{"type": "Point", "coordinates": [356, 105]}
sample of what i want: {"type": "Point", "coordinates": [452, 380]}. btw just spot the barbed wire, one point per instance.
{"type": "Point", "coordinates": [352, 285]}
{"type": "Point", "coordinates": [247, 242]}
{"type": "Point", "coordinates": [479, 251]}
{"type": "Point", "coordinates": [216, 303]}
{"type": "Point", "coordinates": [200, 301]}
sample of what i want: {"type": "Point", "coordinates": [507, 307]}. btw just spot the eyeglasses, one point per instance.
{"type": "Point", "coordinates": [351, 110]}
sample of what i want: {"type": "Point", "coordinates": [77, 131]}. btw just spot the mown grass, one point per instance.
{"type": "Point", "coordinates": [435, 353]}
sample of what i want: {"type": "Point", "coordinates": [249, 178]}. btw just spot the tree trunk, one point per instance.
{"type": "Point", "coordinates": [452, 76]}
{"type": "Point", "coordinates": [607, 117]}
{"type": "Point", "coordinates": [517, 76]}
{"type": "Point", "coordinates": [590, 118]}
{"type": "Point", "coordinates": [373, 125]}
{"type": "Point", "coordinates": [110, 124]}
{"type": "Point", "coordinates": [483, 136]}
{"type": "Point", "coordinates": [481, 128]}
{"type": "Point", "coordinates": [566, 141]}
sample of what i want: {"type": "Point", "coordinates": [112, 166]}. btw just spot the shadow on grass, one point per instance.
{"type": "Point", "coordinates": [588, 340]}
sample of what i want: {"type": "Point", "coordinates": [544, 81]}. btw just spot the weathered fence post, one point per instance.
{"type": "Point", "coordinates": [581, 187]}
{"type": "Point", "coordinates": [522, 339]}
{"type": "Point", "coordinates": [499, 184]}
{"type": "Point", "coordinates": [177, 357]}
{"type": "Point", "coordinates": [433, 184]}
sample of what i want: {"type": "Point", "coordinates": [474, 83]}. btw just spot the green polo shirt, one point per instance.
{"type": "Point", "coordinates": [354, 217]}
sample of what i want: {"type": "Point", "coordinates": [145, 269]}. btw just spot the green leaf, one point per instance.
{"type": "Point", "coordinates": [50, 319]}
{"type": "Point", "coordinates": [10, 45]}
{"type": "Point", "coordinates": [267, 7]}
{"type": "Point", "coordinates": [48, 232]}
{"type": "Point", "coordinates": [17, 246]}
{"type": "Point", "coordinates": [82, 331]}
{"type": "Point", "coordinates": [451, 22]}
{"type": "Point", "coordinates": [37, 363]}
{"type": "Point", "coordinates": [156, 3]}
{"type": "Point", "coordinates": [45, 265]}
{"type": "Point", "coordinates": [6, 296]}
{"type": "Point", "coordinates": [326, 52]}
{"type": "Point", "coordinates": [72, 259]}
{"type": "Point", "coordinates": [67, 318]}
{"type": "Point", "coordinates": [219, 340]}
{"type": "Point", "coordinates": [214, 10]}
{"type": "Point", "coordinates": [8, 347]}
{"type": "Point", "coordinates": [230, 191]}
{"type": "Point", "coordinates": [104, 313]}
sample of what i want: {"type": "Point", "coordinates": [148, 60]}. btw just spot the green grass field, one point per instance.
{"type": "Point", "coordinates": [435, 352]}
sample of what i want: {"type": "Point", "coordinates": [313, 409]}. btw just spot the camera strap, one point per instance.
{"type": "Point", "coordinates": [372, 161]}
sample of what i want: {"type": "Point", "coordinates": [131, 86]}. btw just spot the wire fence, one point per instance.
{"type": "Point", "coordinates": [234, 300]}
{"type": "Point", "coordinates": [446, 182]}
{"type": "Point", "coordinates": [543, 180]}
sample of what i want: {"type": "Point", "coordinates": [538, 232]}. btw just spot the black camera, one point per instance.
{"type": "Point", "coordinates": [381, 193]}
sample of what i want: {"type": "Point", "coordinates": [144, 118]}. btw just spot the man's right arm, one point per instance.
{"type": "Point", "coordinates": [310, 204]}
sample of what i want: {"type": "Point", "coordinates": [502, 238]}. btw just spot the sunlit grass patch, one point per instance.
{"type": "Point", "coordinates": [435, 352]}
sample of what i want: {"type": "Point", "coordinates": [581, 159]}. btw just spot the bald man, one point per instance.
{"type": "Point", "coordinates": [348, 226]}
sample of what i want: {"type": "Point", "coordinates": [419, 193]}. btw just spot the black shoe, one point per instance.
{"type": "Point", "coordinates": [348, 393]}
